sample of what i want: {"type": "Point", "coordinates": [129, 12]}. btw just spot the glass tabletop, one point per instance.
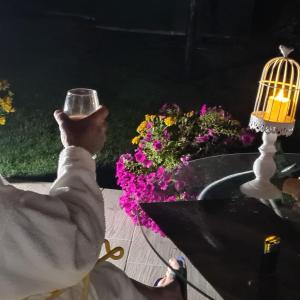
{"type": "Point", "coordinates": [226, 233]}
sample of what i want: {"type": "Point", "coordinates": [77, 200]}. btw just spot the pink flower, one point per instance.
{"type": "Point", "coordinates": [157, 145]}
{"type": "Point", "coordinates": [203, 110]}
{"type": "Point", "coordinates": [165, 181]}
{"type": "Point", "coordinates": [147, 163]}
{"type": "Point", "coordinates": [149, 188]}
{"type": "Point", "coordinates": [171, 198]}
{"type": "Point", "coordinates": [211, 132]}
{"type": "Point", "coordinates": [120, 166]}
{"type": "Point", "coordinates": [149, 125]}
{"type": "Point", "coordinates": [148, 137]}
{"type": "Point", "coordinates": [185, 159]}
{"type": "Point", "coordinates": [141, 183]}
{"type": "Point", "coordinates": [126, 156]}
{"type": "Point", "coordinates": [144, 180]}
{"type": "Point", "coordinates": [160, 172]}
{"type": "Point", "coordinates": [179, 185]}
{"type": "Point", "coordinates": [166, 134]}
{"type": "Point", "coordinates": [164, 185]}
{"type": "Point", "coordinates": [150, 177]}
{"type": "Point", "coordinates": [247, 138]}
{"type": "Point", "coordinates": [202, 138]}
{"type": "Point", "coordinates": [140, 156]}
{"type": "Point", "coordinates": [138, 194]}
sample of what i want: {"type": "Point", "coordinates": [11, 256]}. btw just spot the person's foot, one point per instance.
{"type": "Point", "coordinates": [173, 284]}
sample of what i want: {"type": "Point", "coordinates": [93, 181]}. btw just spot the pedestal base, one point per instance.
{"type": "Point", "coordinates": [260, 189]}
{"type": "Point", "coordinates": [264, 168]}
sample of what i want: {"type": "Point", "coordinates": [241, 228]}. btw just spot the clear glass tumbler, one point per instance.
{"type": "Point", "coordinates": [81, 102]}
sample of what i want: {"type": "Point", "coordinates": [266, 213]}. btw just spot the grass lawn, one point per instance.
{"type": "Point", "coordinates": [133, 74]}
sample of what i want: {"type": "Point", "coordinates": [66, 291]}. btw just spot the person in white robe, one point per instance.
{"type": "Point", "coordinates": [51, 242]}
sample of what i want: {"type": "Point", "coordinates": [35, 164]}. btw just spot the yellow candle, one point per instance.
{"type": "Point", "coordinates": [277, 108]}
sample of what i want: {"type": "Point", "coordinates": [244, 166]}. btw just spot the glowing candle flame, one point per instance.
{"type": "Point", "coordinates": [277, 108]}
{"type": "Point", "coordinates": [280, 97]}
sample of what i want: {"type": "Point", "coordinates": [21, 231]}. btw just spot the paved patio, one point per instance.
{"type": "Point", "coordinates": [139, 261]}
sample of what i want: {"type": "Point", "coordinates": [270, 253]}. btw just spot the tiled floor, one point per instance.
{"type": "Point", "coordinates": [139, 261]}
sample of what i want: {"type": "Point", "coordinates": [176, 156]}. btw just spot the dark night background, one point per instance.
{"type": "Point", "coordinates": [47, 48]}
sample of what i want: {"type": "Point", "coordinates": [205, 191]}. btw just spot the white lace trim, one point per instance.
{"type": "Point", "coordinates": [271, 127]}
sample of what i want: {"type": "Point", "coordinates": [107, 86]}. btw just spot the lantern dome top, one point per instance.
{"type": "Point", "coordinates": [281, 71]}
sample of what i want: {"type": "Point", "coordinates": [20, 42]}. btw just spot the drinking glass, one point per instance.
{"type": "Point", "coordinates": [81, 102]}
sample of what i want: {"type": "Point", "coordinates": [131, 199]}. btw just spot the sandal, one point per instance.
{"type": "Point", "coordinates": [180, 274]}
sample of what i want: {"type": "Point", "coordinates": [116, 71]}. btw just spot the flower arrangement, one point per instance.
{"type": "Point", "coordinates": [166, 142]}
{"type": "Point", "coordinates": [6, 99]}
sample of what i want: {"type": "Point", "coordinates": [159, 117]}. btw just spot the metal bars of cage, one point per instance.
{"type": "Point", "coordinates": [278, 92]}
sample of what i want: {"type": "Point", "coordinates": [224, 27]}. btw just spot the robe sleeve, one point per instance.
{"type": "Point", "coordinates": [51, 241]}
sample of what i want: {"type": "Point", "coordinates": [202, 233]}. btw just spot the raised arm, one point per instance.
{"type": "Point", "coordinates": [51, 242]}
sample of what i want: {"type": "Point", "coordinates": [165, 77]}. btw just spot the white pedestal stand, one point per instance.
{"type": "Point", "coordinates": [264, 168]}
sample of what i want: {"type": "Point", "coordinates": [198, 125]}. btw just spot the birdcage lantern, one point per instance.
{"type": "Point", "coordinates": [274, 114]}
{"type": "Point", "coordinates": [277, 96]}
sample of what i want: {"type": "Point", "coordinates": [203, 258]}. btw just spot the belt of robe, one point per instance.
{"type": "Point", "coordinates": [110, 253]}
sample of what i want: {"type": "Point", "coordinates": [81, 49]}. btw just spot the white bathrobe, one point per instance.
{"type": "Point", "coordinates": [52, 242]}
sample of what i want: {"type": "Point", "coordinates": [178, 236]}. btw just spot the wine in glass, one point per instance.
{"type": "Point", "coordinates": [81, 102]}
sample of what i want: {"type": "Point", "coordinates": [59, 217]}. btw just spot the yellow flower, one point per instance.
{"type": "Point", "coordinates": [6, 104]}
{"type": "Point", "coordinates": [2, 120]}
{"type": "Point", "coordinates": [135, 140]}
{"type": "Point", "coordinates": [169, 121]}
{"type": "Point", "coordinates": [141, 127]}
{"type": "Point", "coordinates": [149, 117]}
{"type": "Point", "coordinates": [190, 113]}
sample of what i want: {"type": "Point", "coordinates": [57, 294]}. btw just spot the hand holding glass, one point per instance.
{"type": "Point", "coordinates": [81, 102]}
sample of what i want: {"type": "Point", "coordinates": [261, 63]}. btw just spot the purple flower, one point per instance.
{"type": "Point", "coordinates": [126, 156]}
{"type": "Point", "coordinates": [148, 137]}
{"type": "Point", "coordinates": [140, 156]}
{"type": "Point", "coordinates": [150, 177]}
{"type": "Point", "coordinates": [166, 134]}
{"type": "Point", "coordinates": [138, 194]}
{"type": "Point", "coordinates": [202, 138]}
{"type": "Point", "coordinates": [203, 110]}
{"type": "Point", "coordinates": [179, 185]}
{"type": "Point", "coordinates": [171, 198]}
{"type": "Point", "coordinates": [165, 181]}
{"type": "Point", "coordinates": [141, 186]}
{"type": "Point", "coordinates": [185, 159]}
{"type": "Point", "coordinates": [120, 166]}
{"type": "Point", "coordinates": [157, 145]}
{"type": "Point", "coordinates": [149, 125]}
{"type": "Point", "coordinates": [144, 180]}
{"type": "Point", "coordinates": [164, 185]}
{"type": "Point", "coordinates": [160, 172]}
{"type": "Point", "coordinates": [247, 138]}
{"type": "Point", "coordinates": [149, 188]}
{"type": "Point", "coordinates": [211, 132]}
{"type": "Point", "coordinates": [147, 163]}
